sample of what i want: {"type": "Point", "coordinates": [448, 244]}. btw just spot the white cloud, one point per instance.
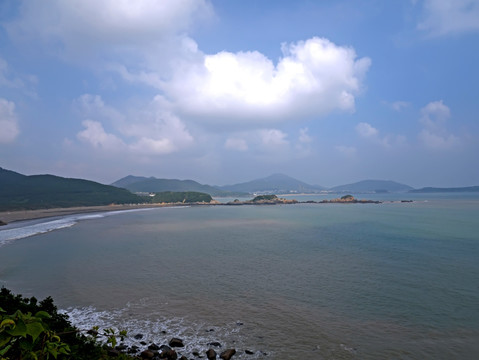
{"type": "Point", "coordinates": [399, 105]}
{"type": "Point", "coordinates": [314, 77]}
{"type": "Point", "coordinates": [304, 137]}
{"type": "Point", "coordinates": [236, 144]}
{"type": "Point", "coordinates": [366, 130]}
{"type": "Point", "coordinates": [91, 25]}
{"type": "Point", "coordinates": [93, 106]}
{"type": "Point", "coordinates": [11, 80]}
{"type": "Point", "coordinates": [442, 17]}
{"type": "Point", "coordinates": [434, 134]}
{"type": "Point", "coordinates": [373, 135]}
{"type": "Point", "coordinates": [273, 138]}
{"type": "Point", "coordinates": [347, 151]}
{"type": "Point", "coordinates": [8, 122]}
{"type": "Point", "coordinates": [96, 135]}
{"type": "Point", "coordinates": [151, 131]}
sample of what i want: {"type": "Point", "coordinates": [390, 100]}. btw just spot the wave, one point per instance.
{"type": "Point", "coordinates": [159, 329]}
{"type": "Point", "coordinates": [30, 228]}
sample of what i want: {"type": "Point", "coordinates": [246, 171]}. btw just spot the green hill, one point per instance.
{"type": "Point", "coordinates": [181, 197]}
{"type": "Point", "coordinates": [277, 183]}
{"type": "Point", "coordinates": [21, 192]}
{"type": "Point", "coordinates": [153, 185]}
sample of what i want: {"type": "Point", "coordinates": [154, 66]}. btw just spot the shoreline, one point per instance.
{"type": "Point", "coordinates": [8, 217]}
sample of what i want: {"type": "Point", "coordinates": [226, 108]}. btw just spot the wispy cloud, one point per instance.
{"type": "Point", "coordinates": [9, 129]}
{"type": "Point", "coordinates": [443, 17]}
{"type": "Point", "coordinates": [434, 135]}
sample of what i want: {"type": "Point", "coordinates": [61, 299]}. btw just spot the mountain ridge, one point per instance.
{"type": "Point", "coordinates": [28, 192]}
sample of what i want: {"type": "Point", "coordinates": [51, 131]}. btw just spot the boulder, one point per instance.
{"type": "Point", "coordinates": [170, 355]}
{"type": "Point", "coordinates": [153, 347]}
{"type": "Point", "coordinates": [227, 354]}
{"type": "Point", "coordinates": [248, 352]}
{"type": "Point", "coordinates": [211, 354]}
{"type": "Point", "coordinates": [138, 336]}
{"type": "Point", "coordinates": [175, 342]}
{"type": "Point", "coordinates": [147, 354]}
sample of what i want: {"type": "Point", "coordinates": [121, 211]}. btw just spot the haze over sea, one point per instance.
{"type": "Point", "coordinates": [307, 281]}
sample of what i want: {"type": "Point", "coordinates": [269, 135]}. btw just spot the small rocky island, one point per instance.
{"type": "Point", "coordinates": [263, 200]}
{"type": "Point", "coordinates": [274, 200]}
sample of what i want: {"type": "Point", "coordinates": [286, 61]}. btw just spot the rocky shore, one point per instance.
{"type": "Point", "coordinates": [19, 215]}
{"type": "Point", "coordinates": [174, 350]}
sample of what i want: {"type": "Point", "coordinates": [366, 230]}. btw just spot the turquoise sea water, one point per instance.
{"type": "Point", "coordinates": [323, 281]}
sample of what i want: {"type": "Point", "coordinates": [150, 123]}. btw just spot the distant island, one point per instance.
{"type": "Point", "coordinates": [446, 190]}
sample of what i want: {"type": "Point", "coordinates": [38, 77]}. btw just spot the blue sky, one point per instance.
{"type": "Point", "coordinates": [329, 92]}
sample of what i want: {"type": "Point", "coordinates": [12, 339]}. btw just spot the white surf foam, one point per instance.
{"type": "Point", "coordinates": [30, 228]}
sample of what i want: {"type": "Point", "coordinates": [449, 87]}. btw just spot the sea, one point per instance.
{"type": "Point", "coordinates": [396, 280]}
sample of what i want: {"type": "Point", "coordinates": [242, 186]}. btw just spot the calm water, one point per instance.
{"type": "Point", "coordinates": [307, 281]}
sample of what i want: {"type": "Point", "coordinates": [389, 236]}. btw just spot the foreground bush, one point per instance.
{"type": "Point", "coordinates": [35, 330]}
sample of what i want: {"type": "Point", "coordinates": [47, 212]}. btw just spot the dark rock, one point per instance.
{"type": "Point", "coordinates": [133, 350]}
{"type": "Point", "coordinates": [175, 342]}
{"type": "Point", "coordinates": [113, 352]}
{"type": "Point", "coordinates": [227, 354]}
{"type": "Point", "coordinates": [196, 353]}
{"type": "Point", "coordinates": [211, 354]}
{"type": "Point", "coordinates": [143, 343]}
{"type": "Point", "coordinates": [2, 223]}
{"type": "Point", "coordinates": [248, 352]}
{"type": "Point", "coordinates": [164, 348]}
{"type": "Point", "coordinates": [147, 354]}
{"type": "Point", "coordinates": [183, 357]}
{"type": "Point", "coordinates": [239, 323]}
{"type": "Point", "coordinates": [170, 355]}
{"type": "Point", "coordinates": [214, 343]}
{"type": "Point", "coordinates": [153, 347]}
{"type": "Point", "coordinates": [138, 336]}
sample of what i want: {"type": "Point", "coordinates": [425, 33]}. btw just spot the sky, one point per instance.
{"type": "Point", "coordinates": [226, 91]}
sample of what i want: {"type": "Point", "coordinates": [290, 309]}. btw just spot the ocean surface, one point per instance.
{"type": "Point", "coordinates": [309, 281]}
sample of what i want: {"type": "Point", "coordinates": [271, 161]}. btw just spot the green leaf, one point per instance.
{"type": "Point", "coordinates": [34, 330]}
{"type": "Point", "coordinates": [7, 322]}
{"type": "Point", "coordinates": [19, 330]}
{"type": "Point", "coordinates": [43, 315]}
{"type": "Point", "coordinates": [5, 350]}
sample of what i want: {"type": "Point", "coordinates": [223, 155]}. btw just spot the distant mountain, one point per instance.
{"type": "Point", "coordinates": [152, 184]}
{"type": "Point", "coordinates": [274, 184]}
{"type": "Point", "coordinates": [21, 192]}
{"type": "Point", "coordinates": [446, 190]}
{"type": "Point", "coordinates": [372, 186]}
{"type": "Point", "coordinates": [128, 180]}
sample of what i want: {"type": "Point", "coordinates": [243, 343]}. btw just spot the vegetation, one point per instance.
{"type": "Point", "coordinates": [152, 184]}
{"type": "Point", "coordinates": [45, 335]}
{"type": "Point", "coordinates": [265, 198]}
{"type": "Point", "coordinates": [180, 197]}
{"type": "Point", "coordinates": [347, 197]}
{"type": "Point", "coordinates": [21, 192]}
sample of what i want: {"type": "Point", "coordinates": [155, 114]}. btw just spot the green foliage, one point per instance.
{"type": "Point", "coordinates": [47, 334]}
{"type": "Point", "coordinates": [347, 197]}
{"type": "Point", "coordinates": [265, 198]}
{"type": "Point", "coordinates": [180, 197]}
{"type": "Point", "coordinates": [24, 336]}
{"type": "Point", "coordinates": [20, 192]}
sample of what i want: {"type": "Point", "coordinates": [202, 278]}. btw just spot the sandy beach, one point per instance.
{"type": "Point", "coordinates": [11, 216]}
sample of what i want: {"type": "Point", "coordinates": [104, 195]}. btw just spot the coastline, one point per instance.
{"type": "Point", "coordinates": [8, 217]}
